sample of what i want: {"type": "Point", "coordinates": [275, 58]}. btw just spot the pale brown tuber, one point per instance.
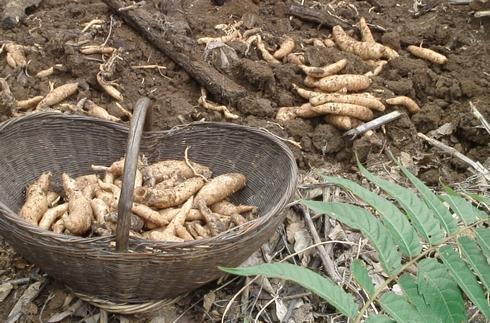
{"type": "Point", "coordinates": [351, 82]}
{"type": "Point", "coordinates": [57, 95]}
{"type": "Point", "coordinates": [52, 215]}
{"type": "Point", "coordinates": [342, 122]}
{"type": "Point", "coordinates": [427, 54]}
{"type": "Point", "coordinates": [285, 48]}
{"type": "Point", "coordinates": [36, 203]}
{"type": "Point", "coordinates": [364, 99]}
{"type": "Point", "coordinates": [319, 72]}
{"type": "Point", "coordinates": [406, 102]}
{"type": "Point", "coordinates": [345, 109]}
{"type": "Point", "coordinates": [364, 50]}
{"type": "Point", "coordinates": [220, 188]}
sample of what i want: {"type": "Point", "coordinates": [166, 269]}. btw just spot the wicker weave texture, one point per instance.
{"type": "Point", "coordinates": [152, 270]}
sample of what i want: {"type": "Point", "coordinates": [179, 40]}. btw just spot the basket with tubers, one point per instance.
{"type": "Point", "coordinates": [149, 227]}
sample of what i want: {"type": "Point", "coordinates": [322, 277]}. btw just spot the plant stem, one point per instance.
{"type": "Point", "coordinates": [405, 266]}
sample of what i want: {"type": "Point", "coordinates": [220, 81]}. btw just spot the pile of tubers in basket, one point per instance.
{"type": "Point", "coordinates": [174, 200]}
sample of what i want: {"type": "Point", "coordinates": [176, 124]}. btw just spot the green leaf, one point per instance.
{"type": "Point", "coordinates": [465, 278]}
{"type": "Point", "coordinates": [410, 290]}
{"type": "Point", "coordinates": [464, 209]}
{"type": "Point", "coordinates": [419, 213]}
{"type": "Point", "coordinates": [399, 309]}
{"type": "Point", "coordinates": [378, 318]}
{"type": "Point", "coordinates": [476, 259]}
{"type": "Point", "coordinates": [360, 219]}
{"type": "Point", "coordinates": [483, 237]}
{"type": "Point", "coordinates": [480, 198]}
{"type": "Point", "coordinates": [361, 275]}
{"type": "Point", "coordinates": [439, 210]}
{"type": "Point", "coordinates": [394, 220]}
{"type": "Point", "coordinates": [440, 291]}
{"type": "Point", "coordinates": [322, 286]}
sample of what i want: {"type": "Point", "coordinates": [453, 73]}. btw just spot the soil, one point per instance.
{"type": "Point", "coordinates": [443, 92]}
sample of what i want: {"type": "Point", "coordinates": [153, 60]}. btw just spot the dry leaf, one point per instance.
{"type": "Point", "coordinates": [208, 302]}
{"type": "Point", "coordinates": [281, 309]}
{"type": "Point", "coordinates": [5, 291]}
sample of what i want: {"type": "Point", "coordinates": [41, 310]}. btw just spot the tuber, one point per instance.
{"type": "Point", "coordinates": [327, 70]}
{"type": "Point", "coordinates": [168, 197]}
{"type": "Point", "coordinates": [52, 215]}
{"type": "Point", "coordinates": [57, 95]}
{"type": "Point", "coordinates": [346, 109]}
{"type": "Point", "coordinates": [427, 54]}
{"type": "Point", "coordinates": [342, 122]}
{"type": "Point", "coordinates": [285, 48]}
{"type": "Point", "coordinates": [220, 188]}
{"type": "Point", "coordinates": [406, 102]}
{"type": "Point", "coordinates": [351, 82]}
{"type": "Point", "coordinates": [364, 50]}
{"type": "Point", "coordinates": [364, 99]}
{"type": "Point", "coordinates": [36, 199]}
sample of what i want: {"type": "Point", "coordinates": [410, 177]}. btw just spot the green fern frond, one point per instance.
{"type": "Point", "coordinates": [440, 291]}
{"type": "Point", "coordinates": [417, 210]}
{"type": "Point", "coordinates": [360, 219]}
{"type": "Point", "coordinates": [395, 221]}
{"type": "Point", "coordinates": [476, 259]}
{"type": "Point", "coordinates": [439, 210]}
{"type": "Point", "coordinates": [361, 275]}
{"type": "Point", "coordinates": [483, 238]}
{"type": "Point", "coordinates": [410, 290]}
{"type": "Point", "coordinates": [399, 309]}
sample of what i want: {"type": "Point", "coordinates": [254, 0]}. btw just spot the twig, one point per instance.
{"type": "Point", "coordinates": [147, 67]}
{"type": "Point", "coordinates": [186, 157]}
{"type": "Point", "coordinates": [483, 13]}
{"type": "Point", "coordinates": [132, 6]}
{"type": "Point", "coordinates": [326, 260]}
{"type": "Point", "coordinates": [110, 32]}
{"type": "Point", "coordinates": [453, 152]}
{"type": "Point", "coordinates": [373, 124]}
{"type": "Point", "coordinates": [480, 117]}
{"type": "Point", "coordinates": [292, 142]}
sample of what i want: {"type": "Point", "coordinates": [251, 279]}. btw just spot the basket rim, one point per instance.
{"type": "Point", "coordinates": [219, 240]}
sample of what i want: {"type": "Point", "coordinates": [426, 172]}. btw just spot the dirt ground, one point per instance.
{"type": "Point", "coordinates": [443, 93]}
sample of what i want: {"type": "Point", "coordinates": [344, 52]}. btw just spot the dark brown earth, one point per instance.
{"type": "Point", "coordinates": [443, 92]}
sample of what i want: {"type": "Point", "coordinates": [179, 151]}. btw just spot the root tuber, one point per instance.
{"type": "Point", "coordinates": [57, 95]}
{"type": "Point", "coordinates": [342, 122]}
{"type": "Point", "coordinates": [285, 48]}
{"type": "Point", "coordinates": [52, 215]}
{"type": "Point", "coordinates": [364, 50]}
{"type": "Point", "coordinates": [36, 200]}
{"type": "Point", "coordinates": [427, 54]}
{"type": "Point", "coordinates": [363, 99]}
{"type": "Point", "coordinates": [351, 82]}
{"type": "Point", "coordinates": [406, 102]}
{"type": "Point", "coordinates": [345, 109]}
{"type": "Point", "coordinates": [319, 72]}
{"type": "Point", "coordinates": [220, 188]}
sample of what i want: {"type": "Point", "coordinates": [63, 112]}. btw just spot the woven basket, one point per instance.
{"type": "Point", "coordinates": [150, 270]}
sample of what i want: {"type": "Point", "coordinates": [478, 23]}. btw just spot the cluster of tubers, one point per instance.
{"type": "Point", "coordinates": [174, 200]}
{"type": "Point", "coordinates": [337, 98]}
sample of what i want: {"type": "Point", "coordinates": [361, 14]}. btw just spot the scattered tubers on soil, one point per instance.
{"type": "Point", "coordinates": [406, 102]}
{"type": "Point", "coordinates": [57, 95]}
{"type": "Point", "coordinates": [427, 54]}
{"type": "Point", "coordinates": [351, 82]}
{"type": "Point", "coordinates": [265, 53]}
{"type": "Point", "coordinates": [364, 50]}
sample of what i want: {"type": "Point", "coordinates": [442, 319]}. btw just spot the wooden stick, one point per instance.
{"type": "Point", "coordinates": [480, 117]}
{"type": "Point", "coordinates": [314, 15]}
{"type": "Point", "coordinates": [180, 48]}
{"type": "Point", "coordinates": [326, 260]}
{"type": "Point", "coordinates": [373, 124]}
{"type": "Point", "coordinates": [477, 166]}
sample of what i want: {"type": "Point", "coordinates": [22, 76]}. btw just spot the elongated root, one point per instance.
{"type": "Point", "coordinates": [427, 54]}
{"type": "Point", "coordinates": [364, 99]}
{"type": "Point", "coordinates": [366, 34]}
{"type": "Point", "coordinates": [57, 95]}
{"type": "Point", "coordinates": [345, 109]}
{"type": "Point", "coordinates": [406, 102]}
{"type": "Point", "coordinates": [285, 48]}
{"type": "Point", "coordinates": [327, 70]}
{"type": "Point", "coordinates": [265, 53]}
{"type": "Point", "coordinates": [220, 108]}
{"type": "Point", "coordinates": [364, 50]}
{"type": "Point", "coordinates": [342, 122]}
{"type": "Point", "coordinates": [351, 82]}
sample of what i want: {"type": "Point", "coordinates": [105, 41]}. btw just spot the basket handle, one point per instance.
{"type": "Point", "coordinates": [140, 121]}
